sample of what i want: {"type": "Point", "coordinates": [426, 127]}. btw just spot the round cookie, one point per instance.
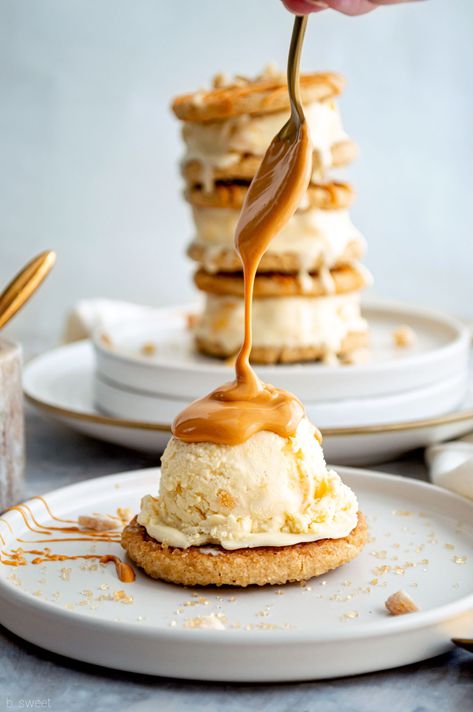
{"type": "Point", "coordinates": [269, 355]}
{"type": "Point", "coordinates": [344, 279]}
{"type": "Point", "coordinates": [262, 95]}
{"type": "Point", "coordinates": [333, 195]}
{"type": "Point", "coordinates": [241, 567]}
{"type": "Point", "coordinates": [227, 260]}
{"type": "Point", "coordinates": [246, 167]}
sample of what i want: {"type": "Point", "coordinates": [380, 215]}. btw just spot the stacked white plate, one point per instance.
{"type": "Point", "coordinates": [147, 370]}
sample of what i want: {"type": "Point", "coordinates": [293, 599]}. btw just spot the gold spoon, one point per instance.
{"type": "Point", "coordinates": [465, 643]}
{"type": "Point", "coordinates": [24, 285]}
{"type": "Point", "coordinates": [293, 64]}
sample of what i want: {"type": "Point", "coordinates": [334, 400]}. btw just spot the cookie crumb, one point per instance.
{"type": "Point", "coordinates": [359, 357]}
{"type": "Point", "coordinates": [192, 319]}
{"type": "Point", "coordinates": [220, 80]}
{"type": "Point", "coordinates": [124, 514]}
{"type": "Point", "coordinates": [98, 524]}
{"type": "Point", "coordinates": [403, 336]}
{"type": "Point", "coordinates": [211, 622]}
{"type": "Point", "coordinates": [350, 615]}
{"type": "Point", "coordinates": [400, 603]}
{"type": "Point", "coordinates": [106, 340]}
{"type": "Point", "coordinates": [148, 349]}
{"type": "Point", "coordinates": [272, 71]}
{"type": "Point", "coordinates": [122, 596]}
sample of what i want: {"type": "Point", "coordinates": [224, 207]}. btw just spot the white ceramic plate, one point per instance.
{"type": "Point", "coordinates": [440, 350]}
{"type": "Point", "coordinates": [426, 402]}
{"type": "Point", "coordinates": [335, 625]}
{"type": "Point", "coordinates": [60, 384]}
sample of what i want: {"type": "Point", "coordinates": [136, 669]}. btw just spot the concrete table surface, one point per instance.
{"type": "Point", "coordinates": [36, 679]}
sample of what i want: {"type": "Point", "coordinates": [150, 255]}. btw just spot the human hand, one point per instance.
{"type": "Point", "coordinates": [348, 7]}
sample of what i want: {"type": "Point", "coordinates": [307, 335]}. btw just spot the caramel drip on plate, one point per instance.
{"type": "Point", "coordinates": [48, 509]}
{"type": "Point", "coordinates": [10, 562]}
{"type": "Point", "coordinates": [102, 537]}
{"type": "Point", "coordinates": [9, 527]}
{"type": "Point", "coordinates": [18, 508]}
{"type": "Point", "coordinates": [234, 412]}
{"type": "Point", "coordinates": [124, 571]}
{"type": "Point", "coordinates": [92, 535]}
{"type": "Point", "coordinates": [16, 557]}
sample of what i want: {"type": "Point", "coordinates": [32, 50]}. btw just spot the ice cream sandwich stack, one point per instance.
{"type": "Point", "coordinates": [307, 291]}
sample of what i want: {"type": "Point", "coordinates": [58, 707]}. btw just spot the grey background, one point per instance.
{"type": "Point", "coordinates": [89, 148]}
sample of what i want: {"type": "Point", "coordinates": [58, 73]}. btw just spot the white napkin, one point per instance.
{"type": "Point", "coordinates": [89, 314]}
{"type": "Point", "coordinates": [451, 465]}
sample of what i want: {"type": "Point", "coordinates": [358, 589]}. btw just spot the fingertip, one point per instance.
{"type": "Point", "coordinates": [352, 7]}
{"type": "Point", "coordinates": [305, 7]}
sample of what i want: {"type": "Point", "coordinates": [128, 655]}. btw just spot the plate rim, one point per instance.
{"type": "Point", "coordinates": [391, 626]}
{"type": "Point", "coordinates": [94, 417]}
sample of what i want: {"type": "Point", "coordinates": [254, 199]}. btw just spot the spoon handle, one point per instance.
{"type": "Point", "coordinates": [465, 643]}
{"type": "Point", "coordinates": [24, 284]}
{"type": "Point", "coordinates": [293, 65]}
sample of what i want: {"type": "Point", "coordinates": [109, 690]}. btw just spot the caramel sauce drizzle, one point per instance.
{"type": "Point", "coordinates": [48, 509]}
{"type": "Point", "coordinates": [91, 533]}
{"type": "Point", "coordinates": [234, 412]}
{"type": "Point", "coordinates": [71, 538]}
{"type": "Point", "coordinates": [7, 524]}
{"type": "Point", "coordinates": [18, 508]}
{"type": "Point", "coordinates": [16, 557]}
{"type": "Point", "coordinates": [124, 571]}
{"type": "Point", "coordinates": [226, 95]}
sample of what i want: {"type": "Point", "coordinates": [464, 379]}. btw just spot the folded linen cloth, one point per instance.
{"type": "Point", "coordinates": [451, 465]}
{"type": "Point", "coordinates": [87, 315]}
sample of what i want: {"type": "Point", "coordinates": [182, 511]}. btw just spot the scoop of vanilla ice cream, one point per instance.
{"type": "Point", "coordinates": [267, 491]}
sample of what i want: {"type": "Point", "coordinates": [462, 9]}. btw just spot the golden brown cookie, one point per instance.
{"type": "Point", "coordinates": [275, 284]}
{"type": "Point", "coordinates": [269, 355]}
{"type": "Point", "coordinates": [324, 196]}
{"type": "Point", "coordinates": [245, 169]}
{"type": "Point", "coordinates": [241, 567]}
{"type": "Point", "coordinates": [263, 95]}
{"type": "Point", "coordinates": [227, 260]}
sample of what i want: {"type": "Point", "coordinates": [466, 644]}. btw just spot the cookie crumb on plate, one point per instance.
{"type": "Point", "coordinates": [400, 603]}
{"type": "Point", "coordinates": [403, 336]}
